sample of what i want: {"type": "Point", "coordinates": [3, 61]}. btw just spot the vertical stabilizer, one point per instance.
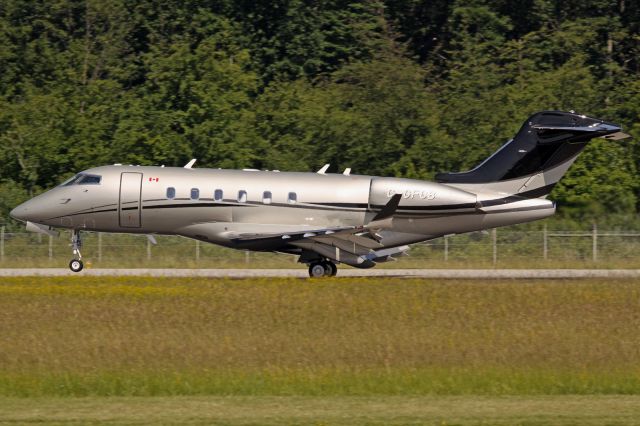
{"type": "Point", "coordinates": [537, 157]}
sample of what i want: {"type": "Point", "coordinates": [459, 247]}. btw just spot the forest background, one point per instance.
{"type": "Point", "coordinates": [396, 87]}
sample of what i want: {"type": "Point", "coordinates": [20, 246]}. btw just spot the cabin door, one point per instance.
{"type": "Point", "coordinates": [129, 207]}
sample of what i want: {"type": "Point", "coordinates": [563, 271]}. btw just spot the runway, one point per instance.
{"type": "Point", "coordinates": [302, 273]}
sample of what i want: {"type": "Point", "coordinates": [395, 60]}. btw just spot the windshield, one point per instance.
{"type": "Point", "coordinates": [82, 179]}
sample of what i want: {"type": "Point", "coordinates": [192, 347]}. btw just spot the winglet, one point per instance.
{"type": "Point", "coordinates": [389, 209]}
{"type": "Point", "coordinates": [384, 218]}
{"type": "Point", "coordinates": [323, 169]}
{"type": "Point", "coordinates": [190, 163]}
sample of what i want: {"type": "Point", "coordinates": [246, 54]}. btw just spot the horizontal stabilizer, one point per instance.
{"type": "Point", "coordinates": [618, 136]}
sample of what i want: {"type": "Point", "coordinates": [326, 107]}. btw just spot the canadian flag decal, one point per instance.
{"type": "Point", "coordinates": [154, 179]}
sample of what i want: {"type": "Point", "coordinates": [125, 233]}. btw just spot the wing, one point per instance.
{"type": "Point", "coordinates": [353, 245]}
{"type": "Point", "coordinates": [356, 239]}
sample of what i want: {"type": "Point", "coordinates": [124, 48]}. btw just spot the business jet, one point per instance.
{"type": "Point", "coordinates": [323, 218]}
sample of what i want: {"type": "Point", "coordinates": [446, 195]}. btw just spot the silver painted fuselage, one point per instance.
{"type": "Point", "coordinates": [138, 199]}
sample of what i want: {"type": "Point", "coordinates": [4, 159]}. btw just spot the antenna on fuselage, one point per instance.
{"type": "Point", "coordinates": [347, 171]}
{"type": "Point", "coordinates": [323, 169]}
{"type": "Point", "coordinates": [190, 163]}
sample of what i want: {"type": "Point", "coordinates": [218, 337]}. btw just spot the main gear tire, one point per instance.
{"type": "Point", "coordinates": [317, 270]}
{"type": "Point", "coordinates": [330, 269]}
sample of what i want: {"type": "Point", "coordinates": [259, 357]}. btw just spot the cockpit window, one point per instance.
{"type": "Point", "coordinates": [90, 180]}
{"type": "Point", "coordinates": [83, 179]}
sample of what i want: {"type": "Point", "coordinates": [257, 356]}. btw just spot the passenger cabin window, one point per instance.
{"type": "Point", "coordinates": [217, 195]}
{"type": "Point", "coordinates": [82, 179]}
{"type": "Point", "coordinates": [171, 193]}
{"type": "Point", "coordinates": [195, 193]}
{"type": "Point", "coordinates": [266, 197]}
{"type": "Point", "coordinates": [292, 198]}
{"type": "Point", "coordinates": [242, 196]}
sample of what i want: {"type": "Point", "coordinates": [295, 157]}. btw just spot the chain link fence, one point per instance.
{"type": "Point", "coordinates": [499, 248]}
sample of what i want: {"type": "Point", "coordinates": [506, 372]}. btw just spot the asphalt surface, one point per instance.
{"type": "Point", "coordinates": [247, 273]}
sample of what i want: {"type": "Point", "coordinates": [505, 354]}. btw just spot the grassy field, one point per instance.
{"type": "Point", "coordinates": [326, 343]}
{"type": "Point", "coordinates": [344, 411]}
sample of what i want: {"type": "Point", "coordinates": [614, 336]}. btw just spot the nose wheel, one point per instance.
{"type": "Point", "coordinates": [325, 268]}
{"type": "Point", "coordinates": [76, 264]}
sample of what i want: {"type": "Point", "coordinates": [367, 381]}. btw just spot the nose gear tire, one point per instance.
{"type": "Point", "coordinates": [76, 265]}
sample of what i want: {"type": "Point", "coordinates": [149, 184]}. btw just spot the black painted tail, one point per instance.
{"type": "Point", "coordinates": [548, 139]}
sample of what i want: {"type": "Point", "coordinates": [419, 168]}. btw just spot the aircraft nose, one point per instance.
{"type": "Point", "coordinates": [20, 212]}
{"type": "Point", "coordinates": [27, 211]}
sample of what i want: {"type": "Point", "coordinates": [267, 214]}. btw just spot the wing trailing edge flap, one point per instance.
{"type": "Point", "coordinates": [362, 240]}
{"type": "Point", "coordinates": [357, 246]}
{"type": "Point", "coordinates": [351, 243]}
{"type": "Point", "coordinates": [357, 259]}
{"type": "Point", "coordinates": [350, 238]}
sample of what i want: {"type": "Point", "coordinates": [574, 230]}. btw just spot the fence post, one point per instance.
{"type": "Point", "coordinates": [148, 249]}
{"type": "Point", "coordinates": [594, 243]}
{"type": "Point", "coordinates": [545, 247]}
{"type": "Point", "coordinates": [197, 250]}
{"type": "Point", "coordinates": [246, 256]}
{"type": "Point", "coordinates": [50, 248]}
{"type": "Point", "coordinates": [446, 248]}
{"type": "Point", "coordinates": [494, 241]}
{"type": "Point", "coordinates": [99, 246]}
{"type": "Point", "coordinates": [2, 243]}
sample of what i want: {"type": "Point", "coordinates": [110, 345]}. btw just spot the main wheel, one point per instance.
{"type": "Point", "coordinates": [76, 265]}
{"type": "Point", "coordinates": [316, 270]}
{"type": "Point", "coordinates": [330, 268]}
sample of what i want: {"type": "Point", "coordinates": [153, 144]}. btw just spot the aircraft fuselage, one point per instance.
{"type": "Point", "coordinates": [218, 206]}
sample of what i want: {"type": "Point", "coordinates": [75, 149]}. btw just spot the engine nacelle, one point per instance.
{"type": "Point", "coordinates": [420, 195]}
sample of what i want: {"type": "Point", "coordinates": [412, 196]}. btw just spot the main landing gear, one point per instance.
{"type": "Point", "coordinates": [324, 268]}
{"type": "Point", "coordinates": [76, 264]}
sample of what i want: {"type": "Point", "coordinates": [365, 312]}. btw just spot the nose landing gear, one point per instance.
{"type": "Point", "coordinates": [76, 264]}
{"type": "Point", "coordinates": [324, 268]}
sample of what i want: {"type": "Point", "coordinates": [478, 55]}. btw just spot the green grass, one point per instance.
{"type": "Point", "coordinates": [429, 410]}
{"type": "Point", "coordinates": [313, 382]}
{"type": "Point", "coordinates": [141, 350]}
{"type": "Point", "coordinates": [143, 336]}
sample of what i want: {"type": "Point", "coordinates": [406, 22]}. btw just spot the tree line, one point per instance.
{"type": "Point", "coordinates": [387, 87]}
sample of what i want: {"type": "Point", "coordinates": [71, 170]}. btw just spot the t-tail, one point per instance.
{"type": "Point", "coordinates": [530, 164]}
